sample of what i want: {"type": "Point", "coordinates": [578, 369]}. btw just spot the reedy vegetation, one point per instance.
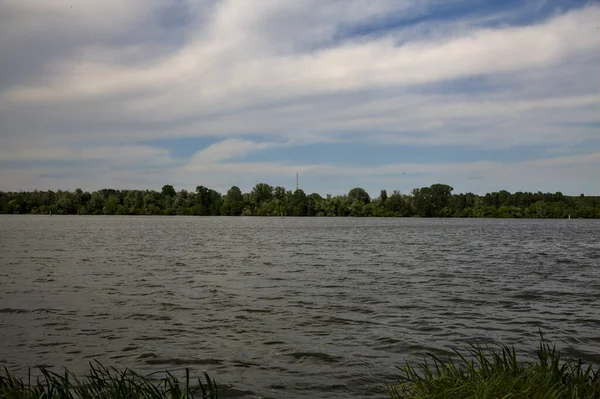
{"type": "Point", "coordinates": [487, 373]}
{"type": "Point", "coordinates": [104, 383]}
{"type": "Point", "coordinates": [265, 200]}
{"type": "Point", "coordinates": [480, 373]}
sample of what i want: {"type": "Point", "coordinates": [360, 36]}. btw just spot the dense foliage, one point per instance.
{"type": "Point", "coordinates": [265, 200]}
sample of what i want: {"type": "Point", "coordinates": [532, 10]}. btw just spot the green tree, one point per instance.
{"type": "Point", "coordinates": [65, 203]}
{"type": "Point", "coordinates": [110, 205]}
{"type": "Point", "coordinates": [96, 203]}
{"type": "Point", "coordinates": [383, 196]}
{"type": "Point", "coordinates": [180, 203]}
{"type": "Point", "coordinates": [279, 193]}
{"type": "Point", "coordinates": [168, 191]}
{"type": "Point", "coordinates": [298, 205]}
{"type": "Point", "coordinates": [262, 192]}
{"type": "Point", "coordinates": [312, 204]}
{"type": "Point", "coordinates": [360, 195]}
{"type": "Point", "coordinates": [432, 201]}
{"type": "Point", "coordinates": [233, 203]}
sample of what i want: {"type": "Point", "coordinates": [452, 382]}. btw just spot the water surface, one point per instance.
{"type": "Point", "coordinates": [290, 308]}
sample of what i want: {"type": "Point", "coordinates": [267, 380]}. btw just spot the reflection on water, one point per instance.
{"type": "Point", "coordinates": [318, 308]}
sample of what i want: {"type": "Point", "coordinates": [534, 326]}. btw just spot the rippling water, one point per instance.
{"type": "Point", "coordinates": [318, 308]}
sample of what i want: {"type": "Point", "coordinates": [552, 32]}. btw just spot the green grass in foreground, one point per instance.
{"type": "Point", "coordinates": [480, 373]}
{"type": "Point", "coordinates": [105, 383]}
{"type": "Point", "coordinates": [484, 373]}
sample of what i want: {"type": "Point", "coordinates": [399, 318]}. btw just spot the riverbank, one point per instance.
{"type": "Point", "coordinates": [476, 372]}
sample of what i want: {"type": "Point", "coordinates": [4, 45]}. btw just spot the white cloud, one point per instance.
{"type": "Point", "coordinates": [284, 74]}
{"type": "Point", "coordinates": [121, 155]}
{"type": "Point", "coordinates": [226, 150]}
{"type": "Point", "coordinates": [350, 66]}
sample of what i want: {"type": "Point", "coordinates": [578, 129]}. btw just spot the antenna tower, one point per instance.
{"type": "Point", "coordinates": [297, 186]}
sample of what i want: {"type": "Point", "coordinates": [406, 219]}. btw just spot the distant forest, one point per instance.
{"type": "Point", "coordinates": [265, 200]}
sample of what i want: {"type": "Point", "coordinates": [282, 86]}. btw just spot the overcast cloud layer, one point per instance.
{"type": "Point", "coordinates": [481, 95]}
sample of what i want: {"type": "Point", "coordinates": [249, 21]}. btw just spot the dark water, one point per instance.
{"type": "Point", "coordinates": [290, 308]}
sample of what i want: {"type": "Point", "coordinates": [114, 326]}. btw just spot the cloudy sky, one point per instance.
{"type": "Point", "coordinates": [483, 95]}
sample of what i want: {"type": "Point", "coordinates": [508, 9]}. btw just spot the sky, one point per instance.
{"type": "Point", "coordinates": [483, 95]}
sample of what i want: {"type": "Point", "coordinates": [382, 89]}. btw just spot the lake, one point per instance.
{"type": "Point", "coordinates": [290, 308]}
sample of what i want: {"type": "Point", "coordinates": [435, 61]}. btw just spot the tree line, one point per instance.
{"type": "Point", "coordinates": [265, 200]}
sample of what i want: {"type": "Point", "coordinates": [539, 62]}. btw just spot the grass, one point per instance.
{"type": "Point", "coordinates": [104, 383]}
{"type": "Point", "coordinates": [484, 372]}
{"type": "Point", "coordinates": [479, 373]}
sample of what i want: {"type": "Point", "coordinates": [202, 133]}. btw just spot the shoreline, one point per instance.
{"type": "Point", "coordinates": [480, 371]}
